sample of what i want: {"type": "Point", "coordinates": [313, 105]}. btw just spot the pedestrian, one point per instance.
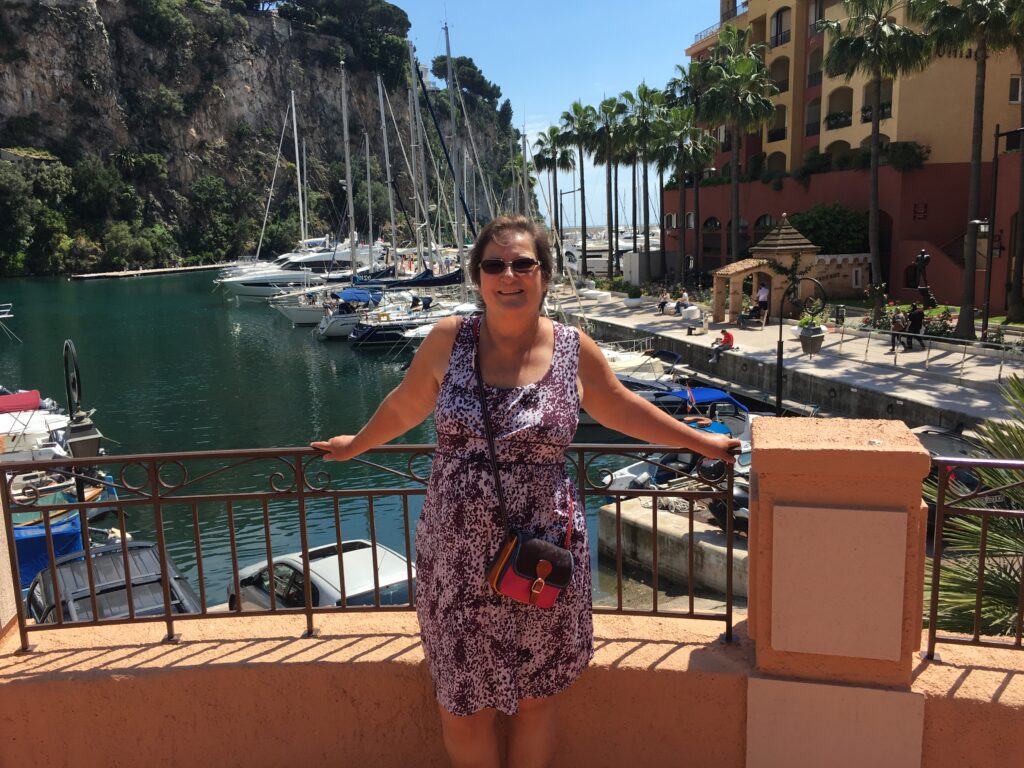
{"type": "Point", "coordinates": [915, 322]}
{"type": "Point", "coordinates": [899, 325]}
{"type": "Point", "coordinates": [683, 302]}
{"type": "Point", "coordinates": [487, 652]}
{"type": "Point", "coordinates": [762, 300]}
{"type": "Point", "coordinates": [721, 344]}
{"type": "Point", "coordinates": [663, 301]}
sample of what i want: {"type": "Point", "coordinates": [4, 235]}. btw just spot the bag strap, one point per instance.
{"type": "Point", "coordinates": [490, 439]}
{"type": "Point", "coordinates": [487, 423]}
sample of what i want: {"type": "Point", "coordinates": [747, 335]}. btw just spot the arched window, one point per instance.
{"type": "Point", "coordinates": [779, 28]}
{"type": "Point", "coordinates": [776, 162]}
{"type": "Point", "coordinates": [840, 108]}
{"type": "Point", "coordinates": [765, 223]}
{"type": "Point", "coordinates": [814, 68]}
{"type": "Point", "coordinates": [812, 126]}
{"type": "Point", "coordinates": [884, 99]}
{"type": "Point", "coordinates": [883, 142]}
{"type": "Point", "coordinates": [690, 224]}
{"type": "Point", "coordinates": [777, 129]}
{"type": "Point", "coordinates": [779, 71]}
{"type": "Point", "coordinates": [840, 152]}
{"type": "Point", "coordinates": [712, 224]}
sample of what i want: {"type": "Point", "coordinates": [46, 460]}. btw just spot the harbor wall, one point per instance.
{"type": "Point", "coordinates": [755, 378]}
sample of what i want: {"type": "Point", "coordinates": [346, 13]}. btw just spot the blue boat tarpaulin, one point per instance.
{"type": "Point", "coordinates": [358, 294]}
{"type": "Point", "coordinates": [707, 395]}
{"type": "Point", "coordinates": [30, 541]}
{"type": "Point", "coordinates": [715, 428]}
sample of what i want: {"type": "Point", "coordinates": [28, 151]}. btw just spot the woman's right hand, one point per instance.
{"type": "Point", "coordinates": [338, 448]}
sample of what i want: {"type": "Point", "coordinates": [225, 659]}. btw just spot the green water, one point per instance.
{"type": "Point", "coordinates": [170, 365]}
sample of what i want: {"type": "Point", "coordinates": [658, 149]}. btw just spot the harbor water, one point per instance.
{"type": "Point", "coordinates": [172, 365]}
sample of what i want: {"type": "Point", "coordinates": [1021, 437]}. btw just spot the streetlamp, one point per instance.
{"type": "Point", "coordinates": [812, 305]}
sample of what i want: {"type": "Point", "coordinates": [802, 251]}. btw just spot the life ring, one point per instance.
{"type": "Point", "coordinates": [697, 422]}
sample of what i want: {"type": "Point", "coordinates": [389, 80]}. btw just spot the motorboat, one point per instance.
{"type": "Point", "coordinates": [386, 329]}
{"type": "Point", "coordinates": [314, 307]}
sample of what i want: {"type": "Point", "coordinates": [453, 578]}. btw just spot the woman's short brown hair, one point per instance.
{"type": "Point", "coordinates": [498, 229]}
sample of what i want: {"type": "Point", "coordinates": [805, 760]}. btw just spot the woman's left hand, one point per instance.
{"type": "Point", "coordinates": [721, 447]}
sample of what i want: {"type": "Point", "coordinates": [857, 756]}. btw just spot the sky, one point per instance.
{"type": "Point", "coordinates": [545, 55]}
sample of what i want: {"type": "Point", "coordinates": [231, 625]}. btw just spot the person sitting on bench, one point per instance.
{"type": "Point", "coordinates": [751, 316]}
{"type": "Point", "coordinates": [682, 302]}
{"type": "Point", "coordinates": [663, 301]}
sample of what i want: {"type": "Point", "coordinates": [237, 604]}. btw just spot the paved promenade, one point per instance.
{"type": "Point", "coordinates": [946, 377]}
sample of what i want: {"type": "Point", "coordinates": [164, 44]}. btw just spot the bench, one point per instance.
{"type": "Point", "coordinates": [752, 323]}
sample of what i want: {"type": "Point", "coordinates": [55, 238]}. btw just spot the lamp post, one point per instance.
{"type": "Point", "coordinates": [810, 305]}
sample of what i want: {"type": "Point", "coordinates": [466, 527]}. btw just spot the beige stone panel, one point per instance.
{"type": "Point", "coordinates": [838, 572]}
{"type": "Point", "coordinates": [811, 725]}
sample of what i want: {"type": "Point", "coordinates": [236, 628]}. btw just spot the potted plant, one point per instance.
{"type": "Point", "coordinates": [634, 296]}
{"type": "Point", "coordinates": [812, 331]}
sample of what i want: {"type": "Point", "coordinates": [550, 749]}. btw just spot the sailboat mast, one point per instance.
{"type": "Point", "coordinates": [298, 174]}
{"type": "Point", "coordinates": [273, 178]}
{"type": "Point", "coordinates": [456, 217]}
{"type": "Point", "coordinates": [387, 166]}
{"type": "Point", "coordinates": [418, 213]}
{"type": "Point", "coordinates": [527, 208]}
{"type": "Point", "coordinates": [369, 204]}
{"type": "Point", "coordinates": [348, 171]}
{"type": "Point", "coordinates": [421, 138]}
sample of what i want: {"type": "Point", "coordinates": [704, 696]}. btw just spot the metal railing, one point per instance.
{"type": "Point", "coordinates": [884, 112]}
{"type": "Point", "coordinates": [835, 120]}
{"type": "Point", "coordinates": [778, 39]}
{"type": "Point", "coordinates": [813, 79]}
{"type": "Point", "coordinates": [986, 556]}
{"type": "Point", "coordinates": [812, 129]}
{"type": "Point", "coordinates": [220, 509]}
{"type": "Point", "coordinates": [776, 134]}
{"type": "Point", "coordinates": [942, 355]}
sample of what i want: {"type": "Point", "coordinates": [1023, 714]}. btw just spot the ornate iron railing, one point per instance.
{"type": "Point", "coordinates": [219, 510]}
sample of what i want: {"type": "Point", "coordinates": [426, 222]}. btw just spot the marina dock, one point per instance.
{"type": "Point", "coordinates": [147, 272]}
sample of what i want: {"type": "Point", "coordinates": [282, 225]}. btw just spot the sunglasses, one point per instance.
{"type": "Point", "coordinates": [523, 266]}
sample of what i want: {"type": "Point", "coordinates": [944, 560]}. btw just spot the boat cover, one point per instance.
{"type": "Point", "coordinates": [715, 428]}
{"type": "Point", "coordinates": [707, 395]}
{"type": "Point", "coordinates": [358, 294]}
{"type": "Point", "coordinates": [20, 401]}
{"type": "Point", "coordinates": [30, 542]}
{"type": "Point", "coordinates": [424, 279]}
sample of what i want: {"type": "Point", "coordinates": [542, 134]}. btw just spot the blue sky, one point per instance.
{"type": "Point", "coordinates": [545, 55]}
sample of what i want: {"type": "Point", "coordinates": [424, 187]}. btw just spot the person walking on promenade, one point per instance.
{"type": "Point", "coordinates": [724, 342]}
{"type": "Point", "coordinates": [487, 653]}
{"type": "Point", "coordinates": [899, 325]}
{"type": "Point", "coordinates": [915, 322]}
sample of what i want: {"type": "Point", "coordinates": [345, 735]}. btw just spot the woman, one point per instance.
{"type": "Point", "coordinates": [485, 652]}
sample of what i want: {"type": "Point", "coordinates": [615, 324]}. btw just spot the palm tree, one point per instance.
{"type": "Point", "coordinates": [692, 149]}
{"type": "Point", "coordinates": [987, 25]}
{"type": "Point", "coordinates": [739, 88]}
{"type": "Point", "coordinates": [579, 123]}
{"type": "Point", "coordinates": [645, 113]}
{"type": "Point", "coordinates": [550, 155]}
{"type": "Point", "coordinates": [869, 41]}
{"type": "Point", "coordinates": [609, 120]}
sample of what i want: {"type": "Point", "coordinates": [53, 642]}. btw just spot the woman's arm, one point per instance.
{"type": "Point", "coordinates": [615, 407]}
{"type": "Point", "coordinates": [408, 404]}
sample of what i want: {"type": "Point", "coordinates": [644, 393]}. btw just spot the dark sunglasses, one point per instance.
{"type": "Point", "coordinates": [523, 266]}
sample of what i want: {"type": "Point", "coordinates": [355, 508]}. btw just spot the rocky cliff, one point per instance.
{"type": "Point", "coordinates": [203, 87]}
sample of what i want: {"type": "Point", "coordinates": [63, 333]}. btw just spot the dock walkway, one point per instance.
{"type": "Point", "coordinates": [853, 375]}
{"type": "Point", "coordinates": [146, 272]}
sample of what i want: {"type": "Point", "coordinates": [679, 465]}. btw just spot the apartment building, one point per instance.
{"type": "Point", "coordinates": [924, 208]}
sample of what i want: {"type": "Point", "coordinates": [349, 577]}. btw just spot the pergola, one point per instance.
{"type": "Point", "coordinates": [783, 244]}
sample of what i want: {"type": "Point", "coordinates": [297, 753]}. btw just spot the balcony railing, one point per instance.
{"type": "Point", "coordinates": [813, 79]}
{"type": "Point", "coordinates": [706, 33]}
{"type": "Point", "coordinates": [782, 85]}
{"type": "Point", "coordinates": [217, 511]}
{"type": "Point", "coordinates": [731, 13]}
{"type": "Point", "coordinates": [884, 112]}
{"type": "Point", "coordinates": [776, 134]}
{"type": "Point", "coordinates": [814, 28]}
{"type": "Point", "coordinates": [835, 120]}
{"type": "Point", "coordinates": [779, 39]}
{"type": "Point", "coordinates": [812, 129]}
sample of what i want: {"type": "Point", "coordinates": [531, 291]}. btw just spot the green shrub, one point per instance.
{"type": "Point", "coordinates": [834, 227]}
{"type": "Point", "coordinates": [162, 23]}
{"type": "Point", "coordinates": [907, 155]}
{"type": "Point", "coordinates": [634, 291]}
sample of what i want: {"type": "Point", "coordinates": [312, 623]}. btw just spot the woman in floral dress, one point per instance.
{"type": "Point", "coordinates": [487, 653]}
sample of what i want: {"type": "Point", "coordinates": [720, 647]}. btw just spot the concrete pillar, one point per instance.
{"type": "Point", "coordinates": [837, 554]}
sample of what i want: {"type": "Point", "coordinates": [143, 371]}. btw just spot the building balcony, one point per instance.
{"type": "Point", "coordinates": [835, 120]}
{"type": "Point", "coordinates": [779, 39]}
{"type": "Point", "coordinates": [812, 129]}
{"type": "Point", "coordinates": [731, 13]}
{"type": "Point", "coordinates": [813, 79]}
{"type": "Point", "coordinates": [814, 28]}
{"type": "Point", "coordinates": [782, 85]}
{"type": "Point", "coordinates": [884, 112]}
{"type": "Point", "coordinates": [825, 654]}
{"type": "Point", "coordinates": [776, 134]}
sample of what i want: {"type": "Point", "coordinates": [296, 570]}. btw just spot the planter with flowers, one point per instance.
{"type": "Point", "coordinates": [811, 330]}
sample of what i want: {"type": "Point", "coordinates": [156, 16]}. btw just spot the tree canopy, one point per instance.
{"type": "Point", "coordinates": [471, 79]}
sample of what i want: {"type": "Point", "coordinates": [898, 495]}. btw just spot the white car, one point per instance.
{"type": "Point", "coordinates": [393, 574]}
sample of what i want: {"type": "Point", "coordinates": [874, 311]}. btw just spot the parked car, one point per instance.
{"type": "Point", "coordinates": [255, 582]}
{"type": "Point", "coordinates": [109, 579]}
